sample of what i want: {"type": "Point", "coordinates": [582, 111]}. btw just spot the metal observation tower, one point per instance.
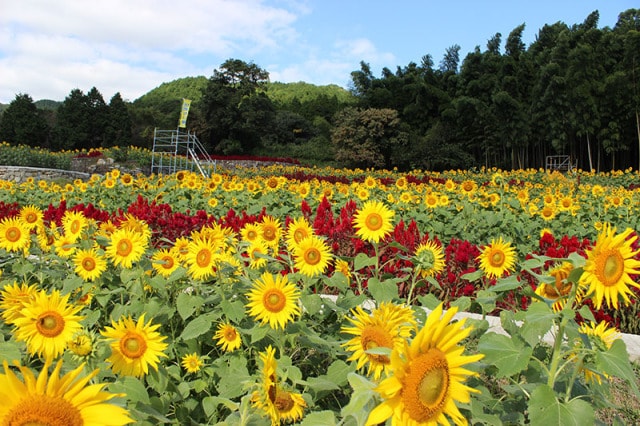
{"type": "Point", "coordinates": [175, 150]}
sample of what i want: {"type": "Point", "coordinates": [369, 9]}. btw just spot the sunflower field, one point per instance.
{"type": "Point", "coordinates": [316, 296]}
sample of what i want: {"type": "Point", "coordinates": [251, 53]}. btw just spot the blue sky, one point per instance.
{"type": "Point", "coordinates": [48, 48]}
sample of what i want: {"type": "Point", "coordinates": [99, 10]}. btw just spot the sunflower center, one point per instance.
{"type": "Point", "coordinates": [252, 235]}
{"type": "Point", "coordinates": [312, 256]}
{"type": "Point", "coordinates": [75, 227]}
{"type": "Point", "coordinates": [372, 337]}
{"type": "Point", "coordinates": [426, 388]}
{"type": "Point", "coordinates": [610, 267]}
{"type": "Point", "coordinates": [31, 218]}
{"type": "Point", "coordinates": [88, 264]}
{"type": "Point", "coordinates": [133, 345]}
{"type": "Point", "coordinates": [13, 234]}
{"type": "Point", "coordinates": [43, 410]}
{"type": "Point", "coordinates": [230, 334]}
{"type": "Point", "coordinates": [274, 300]}
{"type": "Point", "coordinates": [496, 259]}
{"type": "Point", "coordinates": [203, 259]}
{"type": "Point", "coordinates": [299, 234]}
{"type": "Point", "coordinates": [284, 402]}
{"type": "Point", "coordinates": [168, 262]}
{"type": "Point", "coordinates": [373, 221]}
{"type": "Point", "coordinates": [50, 324]}
{"type": "Point", "coordinates": [269, 233]}
{"type": "Point", "coordinates": [124, 248]}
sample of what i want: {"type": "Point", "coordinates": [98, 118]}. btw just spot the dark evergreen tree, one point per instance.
{"type": "Point", "coordinates": [23, 123]}
{"type": "Point", "coordinates": [118, 128]}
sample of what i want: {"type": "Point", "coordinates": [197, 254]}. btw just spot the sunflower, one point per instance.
{"type": "Point", "coordinates": [89, 265]}
{"type": "Point", "coordinates": [270, 231]}
{"type": "Point", "coordinates": [191, 362]}
{"type": "Point", "coordinates": [65, 246]}
{"type": "Point", "coordinates": [73, 223]}
{"type": "Point", "coordinates": [497, 258]}
{"type": "Point", "coordinates": [47, 323]}
{"type": "Point", "coordinates": [31, 216]}
{"type": "Point", "coordinates": [132, 223]}
{"type": "Point", "coordinates": [431, 200]}
{"type": "Point", "coordinates": [134, 346]}
{"type": "Point", "coordinates": [312, 256]}
{"type": "Point", "coordinates": [164, 262]}
{"type": "Point", "coordinates": [548, 212]}
{"type": "Point", "coordinates": [559, 291]}
{"type": "Point", "coordinates": [14, 234]}
{"type": "Point", "coordinates": [468, 187]}
{"type": "Point", "coordinates": [82, 344]}
{"type": "Point", "coordinates": [126, 179]}
{"type": "Point", "coordinates": [272, 398]}
{"type": "Point", "coordinates": [228, 337]}
{"type": "Point", "coordinates": [13, 298]}
{"type": "Point", "coordinates": [257, 252]}
{"type": "Point", "coordinates": [273, 300]}
{"type": "Point", "coordinates": [56, 401]}
{"type": "Point", "coordinates": [180, 248]}
{"type": "Point", "coordinates": [427, 376]}
{"type": "Point", "coordinates": [126, 247]}
{"type": "Point", "coordinates": [387, 327]}
{"type": "Point", "coordinates": [298, 230]}
{"type": "Point", "coordinates": [610, 262]}
{"type": "Point", "coordinates": [429, 259]}
{"type": "Point", "coordinates": [373, 221]}
{"type": "Point", "coordinates": [601, 338]}
{"type": "Point", "coordinates": [201, 257]}
{"type": "Point", "coordinates": [343, 267]}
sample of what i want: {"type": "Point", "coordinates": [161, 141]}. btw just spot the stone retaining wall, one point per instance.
{"type": "Point", "coordinates": [21, 174]}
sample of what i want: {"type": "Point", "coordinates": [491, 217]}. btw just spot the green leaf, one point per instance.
{"type": "Point", "coordinates": [537, 321]}
{"type": "Point", "coordinates": [10, 351]}
{"type": "Point", "coordinates": [429, 301]}
{"type": "Point", "coordinates": [337, 280]}
{"type": "Point", "coordinates": [508, 354]}
{"type": "Point", "coordinates": [210, 404]}
{"type": "Point", "coordinates": [362, 398]}
{"type": "Point", "coordinates": [318, 384]}
{"type": "Point", "coordinates": [545, 410]}
{"type": "Point", "coordinates": [197, 327]}
{"type": "Point", "coordinates": [312, 303]}
{"type": "Point", "coordinates": [473, 276]}
{"type": "Point", "coordinates": [234, 310]}
{"type": "Point", "coordinates": [187, 304]}
{"type": "Point", "coordinates": [338, 371]}
{"type": "Point", "coordinates": [133, 388]}
{"type": "Point", "coordinates": [463, 303]}
{"type": "Point", "coordinates": [130, 274]}
{"type": "Point", "coordinates": [71, 283]}
{"type": "Point", "coordinates": [319, 418]}
{"type": "Point", "coordinates": [362, 261]}
{"type": "Point", "coordinates": [615, 362]}
{"type": "Point", "coordinates": [383, 291]}
{"type": "Point", "coordinates": [506, 284]}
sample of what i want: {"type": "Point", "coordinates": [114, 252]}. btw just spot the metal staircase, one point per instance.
{"type": "Point", "coordinates": [560, 163]}
{"type": "Point", "coordinates": [175, 150]}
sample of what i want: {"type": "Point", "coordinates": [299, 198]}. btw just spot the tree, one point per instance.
{"type": "Point", "coordinates": [98, 116]}
{"type": "Point", "coordinates": [367, 137]}
{"type": "Point", "coordinates": [451, 59]}
{"type": "Point", "coordinates": [22, 123]}
{"type": "Point", "coordinates": [237, 111]}
{"type": "Point", "coordinates": [73, 124]}
{"type": "Point", "coordinates": [118, 128]}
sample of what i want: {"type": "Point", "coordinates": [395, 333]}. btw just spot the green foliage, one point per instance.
{"type": "Point", "coordinates": [23, 124]}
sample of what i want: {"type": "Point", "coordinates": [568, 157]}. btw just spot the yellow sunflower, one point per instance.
{"type": "Point", "coordinates": [548, 212]}
{"type": "Point", "coordinates": [82, 344]}
{"type": "Point", "coordinates": [73, 223]}
{"type": "Point", "coordinates": [559, 291]}
{"type": "Point", "coordinates": [312, 256]}
{"type": "Point", "coordinates": [273, 300]}
{"type": "Point", "coordinates": [497, 258]}
{"type": "Point", "coordinates": [429, 259]}
{"type": "Point", "coordinates": [202, 256]}
{"type": "Point", "coordinates": [126, 247]}
{"type": "Point", "coordinates": [134, 346]}
{"type": "Point", "coordinates": [228, 337]}
{"type": "Point", "coordinates": [278, 403]}
{"type": "Point", "coordinates": [65, 245]}
{"type": "Point", "coordinates": [56, 401]}
{"type": "Point", "coordinates": [427, 377]}
{"type": "Point", "coordinates": [610, 262]}
{"type": "Point", "coordinates": [180, 248]}
{"type": "Point", "coordinates": [164, 262]}
{"type": "Point", "coordinates": [387, 327]}
{"type": "Point", "coordinates": [373, 221]}
{"type": "Point", "coordinates": [14, 234]}
{"type": "Point", "coordinates": [31, 216]}
{"type": "Point", "coordinates": [47, 323]}
{"type": "Point", "coordinates": [257, 252]}
{"type": "Point", "coordinates": [298, 230]}
{"type": "Point", "coordinates": [89, 265]}
{"type": "Point", "coordinates": [270, 231]}
{"type": "Point", "coordinates": [601, 338]}
{"type": "Point", "coordinates": [13, 298]}
{"type": "Point", "coordinates": [192, 362]}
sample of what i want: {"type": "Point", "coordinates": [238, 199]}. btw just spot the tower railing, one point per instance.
{"type": "Point", "coordinates": [175, 150]}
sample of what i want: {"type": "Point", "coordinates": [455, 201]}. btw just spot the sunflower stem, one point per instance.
{"type": "Point", "coordinates": [557, 353]}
